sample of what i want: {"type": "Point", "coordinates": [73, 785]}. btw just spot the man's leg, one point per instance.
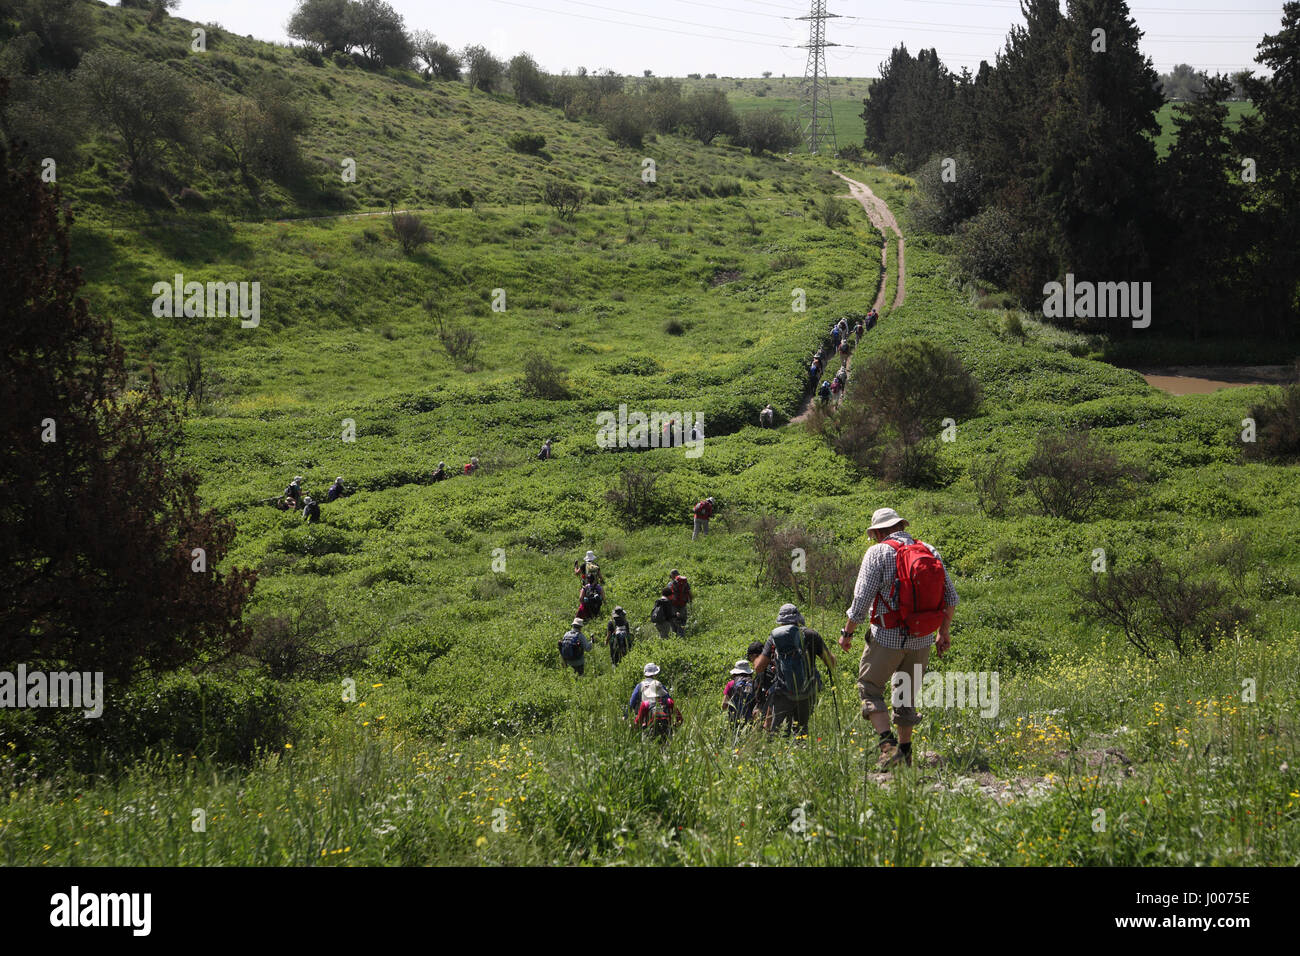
{"type": "Point", "coordinates": [875, 677]}
{"type": "Point", "coordinates": [696, 532]}
{"type": "Point", "coordinates": [907, 717]}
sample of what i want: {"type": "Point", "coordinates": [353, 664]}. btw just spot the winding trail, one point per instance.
{"type": "Point", "coordinates": [883, 219]}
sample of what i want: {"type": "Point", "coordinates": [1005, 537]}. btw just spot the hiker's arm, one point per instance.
{"type": "Point", "coordinates": [868, 583]}
{"type": "Point", "coordinates": [950, 601]}
{"type": "Point", "coordinates": [828, 657]}
{"type": "Point", "coordinates": [760, 663]}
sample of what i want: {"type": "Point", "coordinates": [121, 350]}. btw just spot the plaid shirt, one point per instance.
{"type": "Point", "coordinates": [877, 576]}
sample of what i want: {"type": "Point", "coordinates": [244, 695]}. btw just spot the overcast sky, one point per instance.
{"type": "Point", "coordinates": [746, 37]}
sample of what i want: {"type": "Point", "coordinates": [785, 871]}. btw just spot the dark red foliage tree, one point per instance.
{"type": "Point", "coordinates": [99, 521]}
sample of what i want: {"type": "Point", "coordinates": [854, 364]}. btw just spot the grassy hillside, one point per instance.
{"type": "Point", "coordinates": [467, 741]}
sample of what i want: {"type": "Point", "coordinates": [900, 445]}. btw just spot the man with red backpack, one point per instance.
{"type": "Point", "coordinates": [681, 597]}
{"type": "Point", "coordinates": [905, 589]}
{"type": "Point", "coordinates": [703, 511]}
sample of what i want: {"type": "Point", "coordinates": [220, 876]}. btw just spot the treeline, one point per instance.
{"type": "Point", "coordinates": [1044, 164]}
{"type": "Point", "coordinates": [59, 89]}
{"type": "Point", "coordinates": [372, 34]}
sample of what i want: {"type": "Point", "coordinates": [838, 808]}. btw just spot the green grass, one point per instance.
{"type": "Point", "coordinates": [463, 707]}
{"type": "Point", "coordinates": [1236, 111]}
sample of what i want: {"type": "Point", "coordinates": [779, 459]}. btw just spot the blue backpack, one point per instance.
{"type": "Point", "coordinates": [571, 648]}
{"type": "Point", "coordinates": [794, 677]}
{"type": "Point", "coordinates": [740, 705]}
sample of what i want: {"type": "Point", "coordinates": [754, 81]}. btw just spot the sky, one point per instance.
{"type": "Point", "coordinates": [747, 37]}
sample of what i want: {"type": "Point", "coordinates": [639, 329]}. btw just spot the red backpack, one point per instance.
{"type": "Point", "coordinates": [919, 591]}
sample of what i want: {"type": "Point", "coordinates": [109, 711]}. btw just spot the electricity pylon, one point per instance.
{"type": "Point", "coordinates": [815, 118]}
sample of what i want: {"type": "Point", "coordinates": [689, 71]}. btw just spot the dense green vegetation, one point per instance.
{"type": "Point", "coordinates": [441, 604]}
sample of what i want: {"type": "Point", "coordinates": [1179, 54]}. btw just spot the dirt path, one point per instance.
{"type": "Point", "coordinates": [881, 217]}
{"type": "Point", "coordinates": [355, 215]}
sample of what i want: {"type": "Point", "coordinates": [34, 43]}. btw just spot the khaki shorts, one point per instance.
{"type": "Point", "coordinates": [875, 680]}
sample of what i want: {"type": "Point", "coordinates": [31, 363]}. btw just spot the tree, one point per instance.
{"type": "Point", "coordinates": [64, 28]}
{"type": "Point", "coordinates": [565, 198]}
{"type": "Point", "coordinates": [259, 133]}
{"type": "Point", "coordinates": [664, 107]}
{"type": "Point", "coordinates": [1203, 197]}
{"type": "Point", "coordinates": [708, 115]}
{"type": "Point", "coordinates": [322, 23]}
{"type": "Point", "coordinates": [100, 520]}
{"type": "Point", "coordinates": [440, 63]}
{"type": "Point", "coordinates": [410, 231]}
{"type": "Point", "coordinates": [379, 33]}
{"type": "Point", "coordinates": [1271, 137]}
{"type": "Point", "coordinates": [762, 131]}
{"type": "Point", "coordinates": [146, 104]}
{"type": "Point", "coordinates": [1183, 82]}
{"type": "Point", "coordinates": [527, 81]}
{"type": "Point", "coordinates": [45, 116]}
{"type": "Point", "coordinates": [624, 118]}
{"type": "Point", "coordinates": [483, 70]}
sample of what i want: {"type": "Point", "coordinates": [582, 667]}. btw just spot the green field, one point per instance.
{"type": "Point", "coordinates": [1236, 110]}
{"type": "Point", "coordinates": [468, 741]}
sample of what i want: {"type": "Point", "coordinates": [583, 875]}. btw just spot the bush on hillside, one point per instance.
{"type": "Point", "coordinates": [832, 212]}
{"type": "Point", "coordinates": [543, 379]}
{"type": "Point", "coordinates": [1277, 427]}
{"type": "Point", "coordinates": [994, 485]}
{"type": "Point", "coordinates": [565, 199]}
{"type": "Point", "coordinates": [1159, 606]}
{"type": "Point", "coordinates": [1072, 474]}
{"type": "Point", "coordinates": [410, 231]}
{"type": "Point", "coordinates": [804, 561]}
{"type": "Point", "coordinates": [947, 194]}
{"type": "Point", "coordinates": [625, 120]}
{"type": "Point", "coordinates": [530, 143]}
{"type": "Point", "coordinates": [637, 500]}
{"type": "Point", "coordinates": [762, 131]}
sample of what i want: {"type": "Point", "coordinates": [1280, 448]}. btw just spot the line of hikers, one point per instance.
{"type": "Point", "coordinates": [669, 615]}
{"type": "Point", "coordinates": [294, 498]}
{"type": "Point", "coordinates": [903, 589]}
{"type": "Point", "coordinates": [839, 344]}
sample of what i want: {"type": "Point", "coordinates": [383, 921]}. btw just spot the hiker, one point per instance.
{"type": "Point", "coordinates": [835, 337]}
{"type": "Point", "coordinates": [767, 416]}
{"type": "Point", "coordinates": [681, 596]}
{"type": "Point", "coordinates": [471, 466]}
{"type": "Point", "coordinates": [651, 706]}
{"type": "Point", "coordinates": [858, 329]}
{"type": "Point", "coordinates": [310, 510]}
{"type": "Point", "coordinates": [618, 635]}
{"type": "Point", "coordinates": [588, 571]}
{"type": "Point", "coordinates": [697, 433]}
{"type": "Point", "coordinates": [906, 591]}
{"type": "Point", "coordinates": [792, 650]}
{"type": "Point", "coordinates": [335, 490]}
{"type": "Point", "coordinates": [545, 453]}
{"type": "Point", "coordinates": [824, 392]}
{"type": "Point", "coordinates": [815, 370]}
{"type": "Point", "coordinates": [663, 615]}
{"type": "Point", "coordinates": [872, 318]}
{"type": "Point", "coordinates": [590, 598]}
{"type": "Point", "coordinates": [741, 693]}
{"type": "Point", "coordinates": [703, 511]}
{"type": "Point", "coordinates": [293, 493]}
{"type": "Point", "coordinates": [837, 386]}
{"type": "Point", "coordinates": [845, 351]}
{"type": "Point", "coordinates": [671, 431]}
{"type": "Point", "coordinates": [441, 473]}
{"type": "Point", "coordinates": [574, 646]}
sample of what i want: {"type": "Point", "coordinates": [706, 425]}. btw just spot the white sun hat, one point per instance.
{"type": "Point", "coordinates": [885, 518]}
{"type": "Point", "coordinates": [651, 670]}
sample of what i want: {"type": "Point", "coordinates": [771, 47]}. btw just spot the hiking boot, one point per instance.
{"type": "Point", "coordinates": [891, 755]}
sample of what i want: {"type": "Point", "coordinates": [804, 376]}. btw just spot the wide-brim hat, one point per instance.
{"type": "Point", "coordinates": [590, 556]}
{"type": "Point", "coordinates": [651, 670]}
{"type": "Point", "coordinates": [789, 614]}
{"type": "Point", "coordinates": [885, 518]}
{"type": "Point", "coordinates": [743, 667]}
{"type": "Point", "coordinates": [578, 622]}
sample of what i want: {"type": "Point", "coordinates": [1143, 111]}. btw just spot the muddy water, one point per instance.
{"type": "Point", "coordinates": [1202, 379]}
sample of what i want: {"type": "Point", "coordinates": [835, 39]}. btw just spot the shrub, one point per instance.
{"type": "Point", "coordinates": [833, 212]}
{"type": "Point", "coordinates": [1071, 474]}
{"type": "Point", "coordinates": [993, 485]}
{"type": "Point", "coordinates": [895, 409]}
{"type": "Point", "coordinates": [460, 342]}
{"type": "Point", "coordinates": [674, 327]}
{"type": "Point", "coordinates": [410, 231]}
{"type": "Point", "coordinates": [942, 204]}
{"type": "Point", "coordinates": [543, 379]}
{"type": "Point", "coordinates": [565, 199]}
{"type": "Point", "coordinates": [763, 131]}
{"type": "Point", "coordinates": [804, 561]}
{"type": "Point", "coordinates": [1277, 427]}
{"type": "Point", "coordinates": [531, 143]}
{"type": "Point", "coordinates": [625, 120]}
{"type": "Point", "coordinates": [636, 498]}
{"type": "Point", "coordinates": [298, 642]}
{"type": "Point", "coordinates": [310, 54]}
{"type": "Point", "coordinates": [1155, 604]}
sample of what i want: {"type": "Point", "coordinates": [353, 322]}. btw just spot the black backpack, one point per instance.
{"type": "Point", "coordinates": [740, 705]}
{"type": "Point", "coordinates": [794, 677]}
